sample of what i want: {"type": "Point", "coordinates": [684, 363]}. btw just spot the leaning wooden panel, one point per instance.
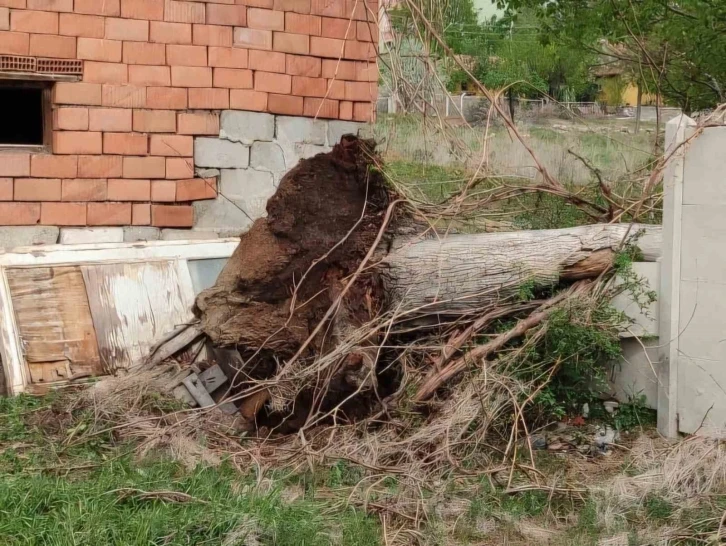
{"type": "Point", "coordinates": [132, 306]}
{"type": "Point", "coordinates": [54, 322]}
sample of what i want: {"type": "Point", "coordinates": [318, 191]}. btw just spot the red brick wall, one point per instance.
{"type": "Point", "coordinates": [157, 73]}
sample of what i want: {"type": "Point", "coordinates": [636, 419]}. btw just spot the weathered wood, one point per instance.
{"type": "Point", "coordinates": [51, 308]}
{"type": "Point", "coordinates": [468, 272]}
{"type": "Point", "coordinates": [132, 305]}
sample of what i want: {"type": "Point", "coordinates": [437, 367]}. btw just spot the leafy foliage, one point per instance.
{"type": "Point", "coordinates": [677, 48]}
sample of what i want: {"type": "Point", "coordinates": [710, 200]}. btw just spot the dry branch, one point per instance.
{"type": "Point", "coordinates": [481, 353]}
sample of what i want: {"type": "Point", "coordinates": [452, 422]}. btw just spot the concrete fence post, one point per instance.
{"type": "Point", "coordinates": [678, 130]}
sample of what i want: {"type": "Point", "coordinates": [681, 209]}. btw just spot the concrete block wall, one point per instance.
{"type": "Point", "coordinates": [250, 155]}
{"type": "Point", "coordinates": [156, 76]}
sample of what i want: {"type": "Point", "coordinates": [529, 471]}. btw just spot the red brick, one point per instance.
{"type": "Point", "coordinates": [95, 72]}
{"type": "Point", "coordinates": [36, 22]}
{"type": "Point", "coordinates": [273, 83]}
{"type": "Point", "coordinates": [186, 55]}
{"type": "Point", "coordinates": [298, 6]}
{"type": "Point", "coordinates": [328, 8]}
{"type": "Point", "coordinates": [129, 190]}
{"type": "Point", "coordinates": [63, 214]}
{"type": "Point", "coordinates": [226, 15]}
{"type": "Point", "coordinates": [326, 47]}
{"type": "Point", "coordinates": [88, 26]}
{"type": "Point", "coordinates": [20, 214]}
{"type": "Point", "coordinates": [198, 123]}
{"type": "Point", "coordinates": [212, 35]}
{"type": "Point", "coordinates": [228, 57]}
{"type": "Point", "coordinates": [127, 30]}
{"type": "Point", "coordinates": [16, 43]}
{"type": "Point", "coordinates": [360, 91]}
{"type": "Point", "coordinates": [123, 96]}
{"type": "Point", "coordinates": [109, 119]}
{"type": "Point", "coordinates": [171, 216]}
{"type": "Point", "coordinates": [253, 39]}
{"type": "Point", "coordinates": [144, 75]}
{"type": "Point", "coordinates": [303, 24]}
{"type": "Point", "coordinates": [141, 214]}
{"type": "Point", "coordinates": [268, 61]}
{"type": "Point", "coordinates": [359, 10]}
{"type": "Point", "coordinates": [309, 87]}
{"type": "Point", "coordinates": [320, 108]}
{"type": "Point", "coordinates": [265, 19]}
{"type": "Point", "coordinates": [51, 5]}
{"type": "Point", "coordinates": [362, 51]}
{"type": "Point", "coordinates": [363, 111]}
{"type": "Point", "coordinates": [110, 8]}
{"type": "Point", "coordinates": [6, 189]}
{"type": "Point", "coordinates": [184, 12]}
{"type": "Point", "coordinates": [77, 142]}
{"type": "Point", "coordinates": [367, 72]}
{"type": "Point", "coordinates": [179, 167]}
{"type": "Point", "coordinates": [172, 145]}
{"type": "Point", "coordinates": [336, 89]}
{"type": "Point", "coordinates": [285, 104]}
{"type": "Point", "coordinates": [37, 189]}
{"type": "Point", "coordinates": [99, 166]}
{"type": "Point", "coordinates": [232, 79]}
{"type": "Point", "coordinates": [14, 164]}
{"type": "Point", "coordinates": [54, 166]}
{"type": "Point", "coordinates": [191, 76]}
{"type": "Point", "coordinates": [267, 4]}
{"type": "Point", "coordinates": [163, 191]}
{"type": "Point", "coordinates": [99, 50]}
{"type": "Point", "coordinates": [166, 98]}
{"type": "Point", "coordinates": [209, 99]}
{"type": "Point", "coordinates": [346, 110]}
{"type": "Point", "coordinates": [303, 66]}
{"type": "Point", "coordinates": [171, 33]}
{"type": "Point", "coordinates": [125, 144]}
{"type": "Point", "coordinates": [291, 43]}
{"type": "Point", "coordinates": [338, 28]}
{"type": "Point", "coordinates": [70, 119]}
{"type": "Point", "coordinates": [367, 31]}
{"type": "Point", "coordinates": [146, 10]}
{"type": "Point", "coordinates": [60, 47]}
{"type": "Point", "coordinates": [84, 189]}
{"type": "Point", "coordinates": [196, 189]}
{"type": "Point", "coordinates": [144, 53]}
{"type": "Point", "coordinates": [144, 167]}
{"type": "Point", "coordinates": [109, 214]}
{"type": "Point", "coordinates": [248, 100]}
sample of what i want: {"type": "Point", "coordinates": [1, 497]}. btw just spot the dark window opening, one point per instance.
{"type": "Point", "coordinates": [23, 113]}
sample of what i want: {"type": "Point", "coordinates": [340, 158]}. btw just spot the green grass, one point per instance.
{"type": "Point", "coordinates": [90, 495]}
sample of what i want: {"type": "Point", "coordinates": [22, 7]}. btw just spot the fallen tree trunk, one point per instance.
{"type": "Point", "coordinates": [460, 274]}
{"type": "Point", "coordinates": [330, 258]}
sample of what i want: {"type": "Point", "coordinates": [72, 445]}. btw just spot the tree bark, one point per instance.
{"type": "Point", "coordinates": [466, 273]}
{"type": "Point", "coordinates": [639, 108]}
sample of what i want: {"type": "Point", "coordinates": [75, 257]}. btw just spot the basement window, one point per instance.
{"type": "Point", "coordinates": [26, 115]}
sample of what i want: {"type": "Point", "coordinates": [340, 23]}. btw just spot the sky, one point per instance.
{"type": "Point", "coordinates": [486, 8]}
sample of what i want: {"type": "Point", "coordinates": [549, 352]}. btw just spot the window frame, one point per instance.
{"type": "Point", "coordinates": [47, 113]}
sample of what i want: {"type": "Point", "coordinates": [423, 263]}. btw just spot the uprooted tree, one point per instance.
{"type": "Point", "coordinates": [317, 290]}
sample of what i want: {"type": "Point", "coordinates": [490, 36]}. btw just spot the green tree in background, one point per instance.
{"type": "Point", "coordinates": [675, 48]}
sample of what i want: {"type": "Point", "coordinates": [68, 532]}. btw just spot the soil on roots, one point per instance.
{"type": "Point", "coordinates": [292, 265]}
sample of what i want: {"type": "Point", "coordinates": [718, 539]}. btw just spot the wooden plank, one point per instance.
{"type": "Point", "coordinates": [14, 369]}
{"type": "Point", "coordinates": [132, 306]}
{"type": "Point", "coordinates": [54, 323]}
{"type": "Point", "coordinates": [118, 252]}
